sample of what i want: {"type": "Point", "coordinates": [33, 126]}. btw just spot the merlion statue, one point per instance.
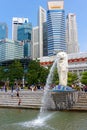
{"type": "Point", "coordinates": [62, 67]}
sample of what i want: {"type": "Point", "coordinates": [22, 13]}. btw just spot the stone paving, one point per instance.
{"type": "Point", "coordinates": [26, 99]}
{"type": "Point", "coordinates": [33, 100]}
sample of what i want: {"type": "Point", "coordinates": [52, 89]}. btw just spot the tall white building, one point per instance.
{"type": "Point", "coordinates": [42, 20]}
{"type": "Point", "coordinates": [71, 34]}
{"type": "Point", "coordinates": [15, 23]}
{"type": "Point", "coordinates": [35, 43]}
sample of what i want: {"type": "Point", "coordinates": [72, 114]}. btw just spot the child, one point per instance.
{"type": "Point", "coordinates": [19, 102]}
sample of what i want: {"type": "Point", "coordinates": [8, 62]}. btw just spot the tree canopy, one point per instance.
{"type": "Point", "coordinates": [72, 77]}
{"type": "Point", "coordinates": [84, 78]}
{"type": "Point", "coordinates": [36, 73]}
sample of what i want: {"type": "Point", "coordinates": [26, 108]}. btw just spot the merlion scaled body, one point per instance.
{"type": "Point", "coordinates": [62, 67]}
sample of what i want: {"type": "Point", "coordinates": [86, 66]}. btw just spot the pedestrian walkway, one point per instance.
{"type": "Point", "coordinates": [27, 98]}
{"type": "Point", "coordinates": [81, 103]}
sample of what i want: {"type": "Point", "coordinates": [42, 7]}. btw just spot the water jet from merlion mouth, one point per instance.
{"type": "Point", "coordinates": [47, 87]}
{"type": "Point", "coordinates": [61, 62]}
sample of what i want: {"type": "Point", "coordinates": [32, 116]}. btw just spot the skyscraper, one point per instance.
{"type": "Point", "coordinates": [15, 23]}
{"type": "Point", "coordinates": [3, 31]}
{"type": "Point", "coordinates": [35, 43]}
{"type": "Point", "coordinates": [10, 50]}
{"type": "Point", "coordinates": [72, 36]}
{"type": "Point", "coordinates": [56, 27]}
{"type": "Point", "coordinates": [42, 19]}
{"type": "Point", "coordinates": [24, 33]}
{"type": "Point", "coordinates": [45, 42]}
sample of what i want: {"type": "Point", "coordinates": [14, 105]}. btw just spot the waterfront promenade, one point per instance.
{"type": "Point", "coordinates": [33, 100]}
{"type": "Point", "coordinates": [27, 98]}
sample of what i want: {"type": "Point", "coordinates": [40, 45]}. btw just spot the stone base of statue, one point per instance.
{"type": "Point", "coordinates": [62, 94]}
{"type": "Point", "coordinates": [63, 97]}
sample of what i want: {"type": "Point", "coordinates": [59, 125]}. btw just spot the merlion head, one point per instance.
{"type": "Point", "coordinates": [62, 56]}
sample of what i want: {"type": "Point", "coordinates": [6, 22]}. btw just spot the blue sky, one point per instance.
{"type": "Point", "coordinates": [29, 8]}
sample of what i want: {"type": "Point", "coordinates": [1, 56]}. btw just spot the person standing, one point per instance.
{"type": "Point", "coordinates": [17, 93]}
{"type": "Point", "coordinates": [19, 101]}
{"type": "Point", "coordinates": [12, 88]}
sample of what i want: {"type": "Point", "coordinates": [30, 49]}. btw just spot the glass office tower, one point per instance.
{"type": "Point", "coordinates": [45, 45]}
{"type": "Point", "coordinates": [24, 32]}
{"type": "Point", "coordinates": [3, 31]}
{"type": "Point", "coordinates": [15, 23]}
{"type": "Point", "coordinates": [56, 27]}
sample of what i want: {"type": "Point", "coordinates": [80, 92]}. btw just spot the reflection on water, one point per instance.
{"type": "Point", "coordinates": [28, 120]}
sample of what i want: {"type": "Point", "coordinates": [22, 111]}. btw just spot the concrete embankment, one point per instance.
{"type": "Point", "coordinates": [71, 101]}
{"type": "Point", "coordinates": [26, 99]}
{"type": "Point", "coordinates": [33, 100]}
{"type": "Point", "coordinates": [81, 102]}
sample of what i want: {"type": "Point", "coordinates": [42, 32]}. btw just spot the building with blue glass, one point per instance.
{"type": "Point", "coordinates": [45, 42]}
{"type": "Point", "coordinates": [56, 27]}
{"type": "Point", "coordinates": [24, 33]}
{"type": "Point", "coordinates": [16, 21]}
{"type": "Point", "coordinates": [3, 31]}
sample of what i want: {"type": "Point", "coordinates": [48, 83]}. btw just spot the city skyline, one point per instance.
{"type": "Point", "coordinates": [10, 9]}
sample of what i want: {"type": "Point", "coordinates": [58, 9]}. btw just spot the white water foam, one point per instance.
{"type": "Point", "coordinates": [37, 123]}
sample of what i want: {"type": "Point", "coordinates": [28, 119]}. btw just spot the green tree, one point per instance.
{"type": "Point", "coordinates": [72, 77]}
{"type": "Point", "coordinates": [32, 77]}
{"type": "Point", "coordinates": [84, 78]}
{"type": "Point", "coordinates": [43, 75]}
{"type": "Point", "coordinates": [36, 73]}
{"type": "Point", "coordinates": [33, 72]}
{"type": "Point", "coordinates": [3, 73]}
{"type": "Point", "coordinates": [15, 71]}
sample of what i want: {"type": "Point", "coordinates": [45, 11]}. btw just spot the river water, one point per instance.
{"type": "Point", "coordinates": [17, 119]}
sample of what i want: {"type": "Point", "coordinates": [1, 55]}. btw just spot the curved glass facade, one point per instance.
{"type": "Point", "coordinates": [56, 31]}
